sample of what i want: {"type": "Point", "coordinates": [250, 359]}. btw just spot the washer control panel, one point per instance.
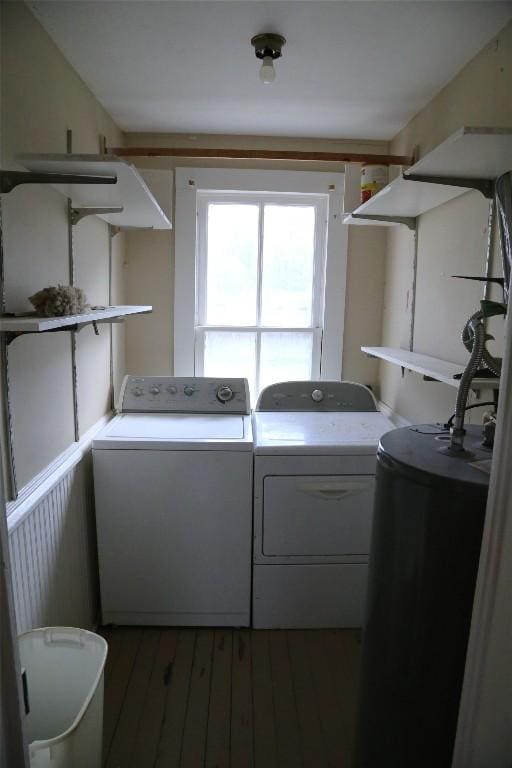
{"type": "Point", "coordinates": [183, 394]}
{"type": "Point", "coordinates": [316, 396]}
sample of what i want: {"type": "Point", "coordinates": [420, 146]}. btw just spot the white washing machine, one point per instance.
{"type": "Point", "coordinates": [315, 450]}
{"type": "Point", "coordinates": [173, 485]}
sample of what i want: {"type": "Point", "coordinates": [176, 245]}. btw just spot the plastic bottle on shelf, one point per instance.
{"type": "Point", "coordinates": [373, 179]}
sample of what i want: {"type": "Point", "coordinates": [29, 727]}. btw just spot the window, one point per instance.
{"type": "Point", "coordinates": [252, 267]}
{"type": "Point", "coordinates": [260, 278]}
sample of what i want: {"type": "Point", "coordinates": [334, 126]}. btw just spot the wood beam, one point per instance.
{"type": "Point", "coordinates": [261, 154]}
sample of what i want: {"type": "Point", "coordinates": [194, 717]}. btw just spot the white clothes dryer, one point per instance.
{"type": "Point", "coordinates": [173, 488]}
{"type": "Point", "coordinates": [315, 447]}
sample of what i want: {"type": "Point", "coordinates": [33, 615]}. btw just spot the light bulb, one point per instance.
{"type": "Point", "coordinates": [267, 71]}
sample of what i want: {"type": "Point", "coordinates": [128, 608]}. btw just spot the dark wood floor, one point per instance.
{"type": "Point", "coordinates": [221, 698]}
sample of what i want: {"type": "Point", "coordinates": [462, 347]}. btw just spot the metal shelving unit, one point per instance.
{"type": "Point", "coordinates": [431, 368]}
{"type": "Point", "coordinates": [18, 325]}
{"type": "Point", "coordinates": [100, 185]}
{"type": "Point", "coordinates": [127, 203]}
{"type": "Point", "coordinates": [472, 158]}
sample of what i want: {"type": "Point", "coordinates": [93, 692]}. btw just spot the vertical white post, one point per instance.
{"type": "Point", "coordinates": [484, 734]}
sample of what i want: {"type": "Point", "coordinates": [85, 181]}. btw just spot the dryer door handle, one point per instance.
{"type": "Point", "coordinates": [334, 491]}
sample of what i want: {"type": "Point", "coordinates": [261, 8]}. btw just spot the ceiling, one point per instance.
{"type": "Point", "coordinates": [357, 69]}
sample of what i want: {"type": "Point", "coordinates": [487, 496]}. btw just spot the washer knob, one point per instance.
{"type": "Point", "coordinates": [317, 395]}
{"type": "Point", "coordinates": [137, 391]}
{"type": "Point", "coordinates": [188, 391]}
{"type": "Point", "coordinates": [155, 390]}
{"type": "Point", "coordinates": [224, 394]}
{"type": "Point", "coordinates": [172, 389]}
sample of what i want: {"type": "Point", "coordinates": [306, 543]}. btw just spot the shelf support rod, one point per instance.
{"type": "Point", "coordinates": [7, 337]}
{"type": "Point", "coordinates": [485, 186]}
{"type": "Point", "coordinates": [77, 214]}
{"type": "Point", "coordinates": [12, 483]}
{"type": "Point", "coordinates": [11, 179]}
{"type": "Point", "coordinates": [409, 221]}
{"type": "Point", "coordinates": [71, 264]}
{"type": "Point", "coordinates": [413, 290]}
{"type": "Point", "coordinates": [112, 232]}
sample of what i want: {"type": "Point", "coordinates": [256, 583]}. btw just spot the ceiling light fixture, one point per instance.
{"type": "Point", "coordinates": [267, 47]}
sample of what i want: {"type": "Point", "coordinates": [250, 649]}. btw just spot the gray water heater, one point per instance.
{"type": "Point", "coordinates": [427, 531]}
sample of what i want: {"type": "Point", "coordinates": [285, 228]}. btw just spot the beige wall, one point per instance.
{"type": "Point", "coordinates": [151, 258]}
{"type": "Point", "coordinates": [42, 97]}
{"type": "Point", "coordinates": [451, 240]}
{"type": "Point", "coordinates": [364, 303]}
{"type": "Point", "coordinates": [150, 280]}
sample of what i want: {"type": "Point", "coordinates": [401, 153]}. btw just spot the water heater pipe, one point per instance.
{"type": "Point", "coordinates": [476, 327]}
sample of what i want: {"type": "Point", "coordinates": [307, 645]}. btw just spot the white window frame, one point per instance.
{"type": "Point", "coordinates": [315, 328]}
{"type": "Point", "coordinates": [190, 182]}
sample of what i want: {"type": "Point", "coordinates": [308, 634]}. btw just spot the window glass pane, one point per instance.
{"type": "Point", "coordinates": [285, 357]}
{"type": "Point", "coordinates": [288, 257]}
{"type": "Point", "coordinates": [232, 263]}
{"type": "Point", "coordinates": [229, 353]}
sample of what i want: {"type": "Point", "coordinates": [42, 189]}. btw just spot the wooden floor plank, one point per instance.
{"type": "Point", "coordinates": [121, 749]}
{"type": "Point", "coordinates": [313, 752]}
{"type": "Point", "coordinates": [196, 721]}
{"type": "Point", "coordinates": [171, 736]}
{"type": "Point", "coordinates": [129, 640]}
{"type": "Point", "coordinates": [344, 650]}
{"type": "Point", "coordinates": [219, 718]}
{"type": "Point", "coordinates": [265, 738]}
{"type": "Point", "coordinates": [223, 698]}
{"type": "Point", "coordinates": [147, 739]}
{"type": "Point", "coordinates": [327, 702]}
{"type": "Point", "coordinates": [113, 638]}
{"type": "Point", "coordinates": [288, 736]}
{"type": "Point", "coordinates": [242, 744]}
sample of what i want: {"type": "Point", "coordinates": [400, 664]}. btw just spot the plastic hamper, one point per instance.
{"type": "Point", "coordinates": [64, 690]}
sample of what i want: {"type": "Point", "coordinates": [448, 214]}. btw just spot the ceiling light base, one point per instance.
{"type": "Point", "coordinates": [268, 45]}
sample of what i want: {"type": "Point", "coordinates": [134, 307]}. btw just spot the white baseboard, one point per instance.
{"type": "Point", "coordinates": [40, 485]}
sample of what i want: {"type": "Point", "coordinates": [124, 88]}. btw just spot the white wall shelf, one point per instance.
{"type": "Point", "coordinates": [475, 155]}
{"type": "Point", "coordinates": [130, 193]}
{"type": "Point", "coordinates": [34, 324]}
{"type": "Point", "coordinates": [429, 367]}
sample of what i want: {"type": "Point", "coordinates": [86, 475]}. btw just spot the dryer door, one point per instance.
{"type": "Point", "coordinates": [317, 515]}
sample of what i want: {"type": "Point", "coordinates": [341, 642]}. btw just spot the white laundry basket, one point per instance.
{"type": "Point", "coordinates": [64, 684]}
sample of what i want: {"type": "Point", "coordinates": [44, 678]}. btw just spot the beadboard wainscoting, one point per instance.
{"type": "Point", "coordinates": [52, 543]}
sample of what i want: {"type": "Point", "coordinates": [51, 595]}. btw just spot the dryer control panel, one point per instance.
{"type": "Point", "coordinates": [183, 394]}
{"type": "Point", "coordinates": [317, 396]}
